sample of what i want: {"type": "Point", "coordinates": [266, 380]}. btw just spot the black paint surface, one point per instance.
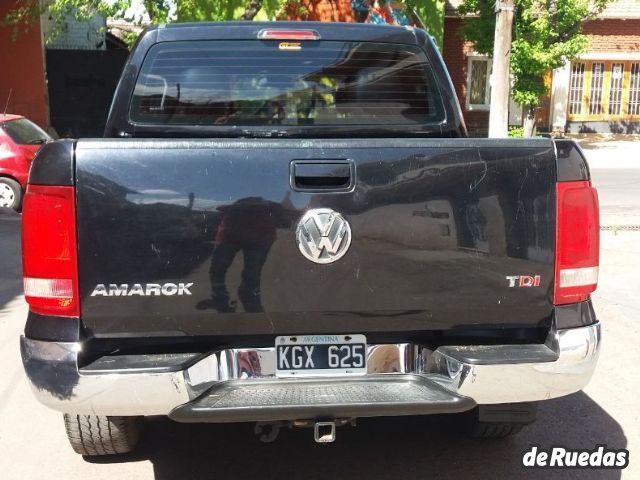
{"type": "Point", "coordinates": [437, 226]}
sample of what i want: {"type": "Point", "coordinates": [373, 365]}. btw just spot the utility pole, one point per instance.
{"type": "Point", "coordinates": [500, 86]}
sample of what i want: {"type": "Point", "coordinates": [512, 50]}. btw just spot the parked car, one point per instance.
{"type": "Point", "coordinates": [286, 224]}
{"type": "Point", "coordinates": [20, 141]}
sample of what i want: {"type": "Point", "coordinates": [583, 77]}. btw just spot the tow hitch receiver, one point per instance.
{"type": "Point", "coordinates": [324, 432]}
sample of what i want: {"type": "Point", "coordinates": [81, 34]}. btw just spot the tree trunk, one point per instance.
{"type": "Point", "coordinates": [499, 109]}
{"type": "Point", "coordinates": [252, 9]}
{"type": "Point", "coordinates": [529, 122]}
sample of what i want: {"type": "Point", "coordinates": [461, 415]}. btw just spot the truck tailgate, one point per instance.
{"type": "Point", "coordinates": [198, 237]}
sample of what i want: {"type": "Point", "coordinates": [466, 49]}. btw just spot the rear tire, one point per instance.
{"type": "Point", "coordinates": [10, 194]}
{"type": "Point", "coordinates": [494, 429]}
{"type": "Point", "coordinates": [96, 435]}
{"type": "Point", "coordinates": [501, 420]}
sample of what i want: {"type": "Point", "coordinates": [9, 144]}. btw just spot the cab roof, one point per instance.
{"type": "Point", "coordinates": [358, 32]}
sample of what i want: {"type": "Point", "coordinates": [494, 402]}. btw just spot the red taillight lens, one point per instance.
{"type": "Point", "coordinates": [578, 242]}
{"type": "Point", "coordinates": [49, 261]}
{"type": "Point", "coordinates": [279, 34]}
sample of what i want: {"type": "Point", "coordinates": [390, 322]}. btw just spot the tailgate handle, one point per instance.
{"type": "Point", "coordinates": [322, 176]}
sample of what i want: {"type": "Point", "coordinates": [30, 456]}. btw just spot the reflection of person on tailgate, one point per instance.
{"type": "Point", "coordinates": [249, 225]}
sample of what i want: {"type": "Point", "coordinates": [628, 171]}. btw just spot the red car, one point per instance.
{"type": "Point", "coordinates": [20, 140]}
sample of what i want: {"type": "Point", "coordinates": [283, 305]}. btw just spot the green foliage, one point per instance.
{"type": "Point", "coordinates": [158, 10]}
{"type": "Point", "coordinates": [546, 33]}
{"type": "Point", "coordinates": [270, 8]}
{"type": "Point", "coordinates": [164, 11]}
{"type": "Point", "coordinates": [208, 10]}
{"type": "Point", "coordinates": [431, 12]}
{"type": "Point", "coordinates": [222, 10]}
{"type": "Point", "coordinates": [26, 12]}
{"type": "Point", "coordinates": [516, 132]}
{"type": "Point", "coordinates": [129, 38]}
{"type": "Point", "coordinates": [479, 26]}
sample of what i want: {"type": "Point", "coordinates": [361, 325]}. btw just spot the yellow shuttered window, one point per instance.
{"type": "Point", "coordinates": [604, 90]}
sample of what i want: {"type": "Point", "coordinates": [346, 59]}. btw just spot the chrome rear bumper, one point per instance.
{"type": "Point", "coordinates": [469, 374]}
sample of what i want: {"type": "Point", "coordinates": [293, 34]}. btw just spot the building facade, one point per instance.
{"type": "Point", "coordinates": [469, 71]}
{"type": "Point", "coordinates": [75, 35]}
{"type": "Point", "coordinates": [23, 85]}
{"type": "Point", "coordinates": [599, 92]}
{"type": "Point", "coordinates": [471, 76]}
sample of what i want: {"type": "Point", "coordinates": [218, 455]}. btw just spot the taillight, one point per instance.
{"type": "Point", "coordinates": [577, 242]}
{"type": "Point", "coordinates": [49, 259]}
{"type": "Point", "coordinates": [280, 34]}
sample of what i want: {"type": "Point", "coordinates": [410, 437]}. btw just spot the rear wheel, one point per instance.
{"type": "Point", "coordinates": [95, 435]}
{"type": "Point", "coordinates": [501, 420]}
{"type": "Point", "coordinates": [10, 194]}
{"type": "Point", "coordinates": [495, 429]}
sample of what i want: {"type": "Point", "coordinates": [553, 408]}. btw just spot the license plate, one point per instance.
{"type": "Point", "coordinates": [309, 355]}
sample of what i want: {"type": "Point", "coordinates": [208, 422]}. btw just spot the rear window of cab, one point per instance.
{"type": "Point", "coordinates": [255, 83]}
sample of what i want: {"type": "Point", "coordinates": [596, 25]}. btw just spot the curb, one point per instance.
{"type": "Point", "coordinates": [617, 228]}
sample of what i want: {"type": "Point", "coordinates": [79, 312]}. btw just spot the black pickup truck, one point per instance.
{"type": "Point", "coordinates": [287, 224]}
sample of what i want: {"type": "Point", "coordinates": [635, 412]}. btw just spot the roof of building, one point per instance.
{"type": "Point", "coordinates": [622, 9]}
{"type": "Point", "coordinates": [617, 9]}
{"type": "Point", "coordinates": [115, 43]}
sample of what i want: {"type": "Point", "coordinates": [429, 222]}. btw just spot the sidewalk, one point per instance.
{"type": "Point", "coordinates": [610, 151]}
{"type": "Point", "coordinates": [599, 139]}
{"type": "Point", "coordinates": [614, 161]}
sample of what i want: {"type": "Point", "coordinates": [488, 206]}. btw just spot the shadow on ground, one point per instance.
{"type": "Point", "coordinates": [595, 141]}
{"type": "Point", "coordinates": [384, 448]}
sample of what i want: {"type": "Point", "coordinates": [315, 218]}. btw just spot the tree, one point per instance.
{"type": "Point", "coordinates": [220, 10]}
{"type": "Point", "coordinates": [26, 12]}
{"type": "Point", "coordinates": [546, 34]}
{"type": "Point", "coordinates": [155, 11]}
{"type": "Point", "coordinates": [431, 12]}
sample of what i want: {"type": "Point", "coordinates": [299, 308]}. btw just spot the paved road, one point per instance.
{"type": "Point", "coordinates": [619, 192]}
{"type": "Point", "coordinates": [33, 444]}
{"type": "Point", "coordinates": [616, 174]}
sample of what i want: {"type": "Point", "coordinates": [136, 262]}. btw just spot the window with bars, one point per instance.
{"type": "Point", "coordinates": [597, 80]}
{"type": "Point", "coordinates": [576, 88]}
{"type": "Point", "coordinates": [615, 89]}
{"type": "Point", "coordinates": [604, 90]}
{"type": "Point", "coordinates": [634, 90]}
{"type": "Point", "coordinates": [478, 83]}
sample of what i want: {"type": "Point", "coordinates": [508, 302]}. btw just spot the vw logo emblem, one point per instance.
{"type": "Point", "coordinates": [323, 235]}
